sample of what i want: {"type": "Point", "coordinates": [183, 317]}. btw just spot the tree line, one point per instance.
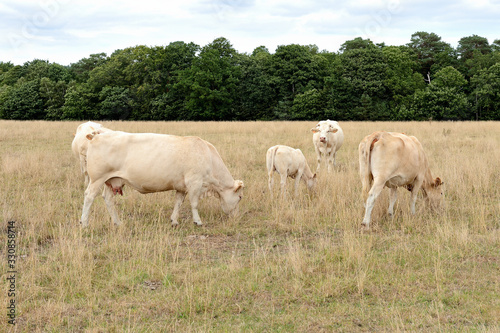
{"type": "Point", "coordinates": [425, 79]}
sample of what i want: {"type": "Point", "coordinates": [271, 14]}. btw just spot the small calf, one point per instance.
{"type": "Point", "coordinates": [288, 162]}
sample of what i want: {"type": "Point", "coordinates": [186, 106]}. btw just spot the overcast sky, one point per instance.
{"type": "Point", "coordinates": [65, 31]}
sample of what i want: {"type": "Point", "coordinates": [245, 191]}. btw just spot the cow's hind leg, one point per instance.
{"type": "Point", "coordinates": [179, 198]}
{"type": "Point", "coordinates": [377, 187]}
{"type": "Point", "coordinates": [90, 193]}
{"type": "Point", "coordinates": [393, 197]}
{"type": "Point", "coordinates": [109, 199]}
{"type": "Point", "coordinates": [270, 181]}
{"type": "Point", "coordinates": [283, 177]}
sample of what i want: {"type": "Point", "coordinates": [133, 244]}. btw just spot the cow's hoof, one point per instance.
{"type": "Point", "coordinates": [198, 223]}
{"type": "Point", "coordinates": [175, 224]}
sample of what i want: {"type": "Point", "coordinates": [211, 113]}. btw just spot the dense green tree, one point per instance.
{"type": "Point", "coordinates": [359, 73]}
{"type": "Point", "coordinates": [115, 103]}
{"type": "Point", "coordinates": [486, 93]}
{"type": "Point", "coordinates": [451, 78]}
{"type": "Point", "coordinates": [37, 69]}
{"type": "Point", "coordinates": [168, 64]}
{"type": "Point", "coordinates": [83, 67]}
{"type": "Point", "coordinates": [443, 99]}
{"type": "Point", "coordinates": [23, 101]}
{"type": "Point", "coordinates": [429, 48]}
{"type": "Point", "coordinates": [211, 82]}
{"type": "Point", "coordinates": [255, 95]}
{"type": "Point", "coordinates": [180, 81]}
{"type": "Point", "coordinates": [437, 103]}
{"type": "Point", "coordinates": [10, 75]}
{"type": "Point", "coordinates": [53, 94]}
{"type": "Point", "coordinates": [467, 46]}
{"type": "Point", "coordinates": [495, 46]}
{"type": "Point", "coordinates": [5, 67]}
{"type": "Point", "coordinates": [401, 78]}
{"type": "Point", "coordinates": [5, 93]}
{"type": "Point", "coordinates": [309, 105]}
{"type": "Point", "coordinates": [80, 102]}
{"type": "Point", "coordinates": [357, 43]}
{"type": "Point", "coordinates": [295, 69]}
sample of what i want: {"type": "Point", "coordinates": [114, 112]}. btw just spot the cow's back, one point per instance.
{"type": "Point", "coordinates": [395, 156]}
{"type": "Point", "coordinates": [150, 162]}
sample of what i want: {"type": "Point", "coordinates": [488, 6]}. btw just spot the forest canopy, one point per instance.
{"type": "Point", "coordinates": [425, 79]}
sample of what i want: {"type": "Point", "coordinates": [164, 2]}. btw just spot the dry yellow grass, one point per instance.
{"type": "Point", "coordinates": [293, 265]}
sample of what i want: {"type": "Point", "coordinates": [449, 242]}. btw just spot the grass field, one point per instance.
{"type": "Point", "coordinates": [295, 265]}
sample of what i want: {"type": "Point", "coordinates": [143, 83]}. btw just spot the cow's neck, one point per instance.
{"type": "Point", "coordinates": [307, 173]}
{"type": "Point", "coordinates": [428, 180]}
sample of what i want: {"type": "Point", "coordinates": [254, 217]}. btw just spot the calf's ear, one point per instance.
{"type": "Point", "coordinates": [437, 182]}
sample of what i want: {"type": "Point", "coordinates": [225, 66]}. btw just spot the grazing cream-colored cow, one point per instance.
{"type": "Point", "coordinates": [328, 137]}
{"type": "Point", "coordinates": [150, 163]}
{"type": "Point", "coordinates": [288, 162]}
{"type": "Point", "coordinates": [80, 143]}
{"type": "Point", "coordinates": [395, 160]}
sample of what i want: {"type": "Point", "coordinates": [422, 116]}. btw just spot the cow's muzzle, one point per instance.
{"type": "Point", "coordinates": [322, 139]}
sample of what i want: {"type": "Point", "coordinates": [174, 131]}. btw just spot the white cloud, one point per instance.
{"type": "Point", "coordinates": [66, 31]}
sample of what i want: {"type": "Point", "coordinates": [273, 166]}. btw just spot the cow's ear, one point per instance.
{"type": "Point", "coordinates": [335, 130]}
{"type": "Point", "coordinates": [238, 184]}
{"type": "Point", "coordinates": [89, 136]}
{"type": "Point", "coordinates": [438, 182]}
{"type": "Point", "coordinates": [314, 130]}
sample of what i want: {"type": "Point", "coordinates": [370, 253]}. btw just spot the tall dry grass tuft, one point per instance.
{"type": "Point", "coordinates": [290, 264]}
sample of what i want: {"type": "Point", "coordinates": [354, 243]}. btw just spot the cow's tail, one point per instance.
{"type": "Point", "coordinates": [270, 159]}
{"type": "Point", "coordinates": [365, 150]}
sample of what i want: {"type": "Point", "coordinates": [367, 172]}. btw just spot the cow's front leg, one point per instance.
{"type": "Point", "coordinates": [194, 197]}
{"type": "Point", "coordinates": [414, 191]}
{"type": "Point", "coordinates": [330, 161]}
{"type": "Point", "coordinates": [298, 177]}
{"type": "Point", "coordinates": [179, 198]}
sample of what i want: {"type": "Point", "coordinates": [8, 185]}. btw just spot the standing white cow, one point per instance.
{"type": "Point", "coordinates": [395, 160]}
{"type": "Point", "coordinates": [150, 163]}
{"type": "Point", "coordinates": [328, 137]}
{"type": "Point", "coordinates": [80, 143]}
{"type": "Point", "coordinates": [288, 162]}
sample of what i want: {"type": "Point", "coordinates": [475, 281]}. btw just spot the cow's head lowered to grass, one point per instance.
{"type": "Point", "coordinates": [230, 198]}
